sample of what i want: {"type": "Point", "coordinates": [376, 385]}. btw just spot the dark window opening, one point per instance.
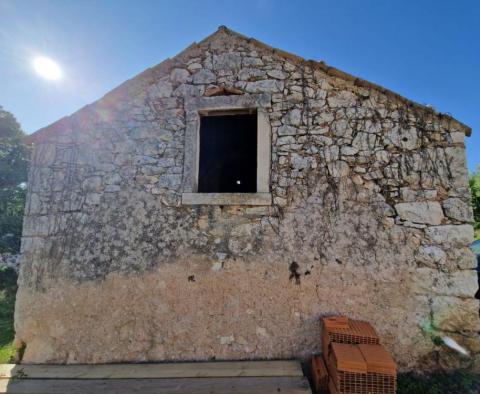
{"type": "Point", "coordinates": [228, 154]}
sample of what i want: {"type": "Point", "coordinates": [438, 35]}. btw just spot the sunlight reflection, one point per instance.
{"type": "Point", "coordinates": [47, 68]}
{"type": "Point", "coordinates": [451, 343]}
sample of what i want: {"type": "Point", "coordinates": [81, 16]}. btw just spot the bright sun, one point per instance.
{"type": "Point", "coordinates": [47, 68]}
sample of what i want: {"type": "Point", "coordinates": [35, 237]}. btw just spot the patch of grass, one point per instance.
{"type": "Point", "coordinates": [8, 290]}
{"type": "Point", "coordinates": [456, 382]}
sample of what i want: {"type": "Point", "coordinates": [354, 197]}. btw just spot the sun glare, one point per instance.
{"type": "Point", "coordinates": [47, 68]}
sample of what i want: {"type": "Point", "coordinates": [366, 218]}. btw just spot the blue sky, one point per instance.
{"type": "Point", "coordinates": [428, 51]}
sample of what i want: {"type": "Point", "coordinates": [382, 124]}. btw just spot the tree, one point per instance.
{"type": "Point", "coordinates": [14, 159]}
{"type": "Point", "coordinates": [474, 182]}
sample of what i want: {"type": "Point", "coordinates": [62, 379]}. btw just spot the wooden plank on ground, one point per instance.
{"type": "Point", "coordinates": [154, 371]}
{"type": "Point", "coordinates": [243, 385]}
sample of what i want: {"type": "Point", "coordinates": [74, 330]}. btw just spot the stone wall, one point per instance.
{"type": "Point", "coordinates": [369, 218]}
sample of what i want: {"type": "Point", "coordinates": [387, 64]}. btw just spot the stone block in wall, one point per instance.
{"type": "Point", "coordinates": [457, 137]}
{"type": "Point", "coordinates": [452, 235]}
{"type": "Point", "coordinates": [180, 75]}
{"type": "Point", "coordinates": [455, 314]}
{"type": "Point", "coordinates": [456, 158]}
{"type": "Point", "coordinates": [431, 256]}
{"type": "Point", "coordinates": [204, 76]}
{"type": "Point", "coordinates": [265, 86]}
{"type": "Point", "coordinates": [341, 99]}
{"type": "Point", "coordinates": [227, 61]}
{"type": "Point", "coordinates": [160, 89]}
{"type": "Point", "coordinates": [455, 284]}
{"type": "Point", "coordinates": [44, 154]}
{"type": "Point", "coordinates": [37, 226]}
{"type": "Point", "coordinates": [403, 138]}
{"type": "Point", "coordinates": [425, 212]}
{"type": "Point", "coordinates": [457, 209]}
{"type": "Point", "coordinates": [464, 258]}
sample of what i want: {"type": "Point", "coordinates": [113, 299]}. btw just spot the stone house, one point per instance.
{"type": "Point", "coordinates": [217, 204]}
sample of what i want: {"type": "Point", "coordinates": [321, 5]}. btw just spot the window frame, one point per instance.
{"type": "Point", "coordinates": [201, 106]}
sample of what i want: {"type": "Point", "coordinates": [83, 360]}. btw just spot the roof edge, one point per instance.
{"type": "Point", "coordinates": [329, 70]}
{"type": "Point", "coordinates": [335, 72]}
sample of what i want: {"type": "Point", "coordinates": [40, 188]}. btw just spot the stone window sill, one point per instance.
{"type": "Point", "coordinates": [226, 199]}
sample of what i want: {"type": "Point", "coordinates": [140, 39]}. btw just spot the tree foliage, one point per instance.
{"type": "Point", "coordinates": [14, 159]}
{"type": "Point", "coordinates": [475, 189]}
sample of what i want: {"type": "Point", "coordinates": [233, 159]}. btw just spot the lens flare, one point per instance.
{"type": "Point", "coordinates": [47, 68]}
{"type": "Point", "coordinates": [451, 343]}
{"type": "Point", "coordinates": [447, 341]}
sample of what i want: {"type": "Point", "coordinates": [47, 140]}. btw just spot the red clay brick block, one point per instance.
{"type": "Point", "coordinates": [347, 368]}
{"type": "Point", "coordinates": [356, 333]}
{"type": "Point", "coordinates": [333, 322]}
{"type": "Point", "coordinates": [320, 375]}
{"type": "Point", "coordinates": [382, 369]}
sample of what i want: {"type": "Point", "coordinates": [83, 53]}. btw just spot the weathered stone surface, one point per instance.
{"type": "Point", "coordinates": [431, 256]}
{"type": "Point", "coordinates": [227, 61]}
{"type": "Point", "coordinates": [161, 89]}
{"type": "Point", "coordinates": [456, 314]}
{"type": "Point", "coordinates": [301, 162]}
{"type": "Point", "coordinates": [295, 117]}
{"type": "Point", "coordinates": [457, 137]}
{"type": "Point", "coordinates": [115, 268]}
{"type": "Point", "coordinates": [288, 130]}
{"type": "Point", "coordinates": [451, 234]}
{"type": "Point", "coordinates": [428, 212]}
{"type": "Point", "coordinates": [462, 284]}
{"type": "Point", "coordinates": [342, 98]}
{"type": "Point", "coordinates": [204, 76]}
{"type": "Point", "coordinates": [186, 90]}
{"type": "Point", "coordinates": [404, 138]}
{"type": "Point", "coordinates": [92, 184]}
{"type": "Point", "coordinates": [264, 86]}
{"type": "Point", "coordinates": [277, 74]}
{"type": "Point", "coordinates": [457, 209]}
{"type": "Point", "coordinates": [464, 258]}
{"type": "Point", "coordinates": [112, 315]}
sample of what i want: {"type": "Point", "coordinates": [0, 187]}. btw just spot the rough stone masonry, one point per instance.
{"type": "Point", "coordinates": [369, 217]}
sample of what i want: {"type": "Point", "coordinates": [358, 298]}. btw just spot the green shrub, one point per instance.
{"type": "Point", "coordinates": [8, 290]}
{"type": "Point", "coordinates": [457, 382]}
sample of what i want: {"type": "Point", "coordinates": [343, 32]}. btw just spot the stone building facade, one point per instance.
{"type": "Point", "coordinates": [361, 208]}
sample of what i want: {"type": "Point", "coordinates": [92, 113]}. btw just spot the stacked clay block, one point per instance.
{"type": "Point", "coordinates": [356, 362]}
{"type": "Point", "coordinates": [319, 375]}
{"type": "Point", "coordinates": [381, 369]}
{"type": "Point", "coordinates": [347, 368]}
{"type": "Point", "coordinates": [354, 332]}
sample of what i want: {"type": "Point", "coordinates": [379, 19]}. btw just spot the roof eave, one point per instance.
{"type": "Point", "coordinates": [331, 71]}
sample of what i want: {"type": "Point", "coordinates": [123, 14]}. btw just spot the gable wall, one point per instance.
{"type": "Point", "coordinates": [370, 205]}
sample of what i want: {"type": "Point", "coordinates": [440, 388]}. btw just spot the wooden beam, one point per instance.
{"type": "Point", "coordinates": [153, 371]}
{"type": "Point", "coordinates": [244, 385]}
